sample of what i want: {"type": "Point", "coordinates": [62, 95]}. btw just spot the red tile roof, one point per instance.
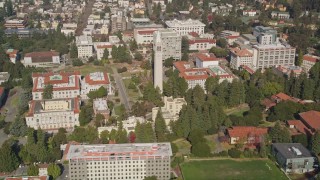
{"type": "Point", "coordinates": [143, 32]}
{"type": "Point", "coordinates": [310, 58]}
{"type": "Point", "coordinates": [268, 103]}
{"type": "Point", "coordinates": [248, 69]}
{"type": "Point", "coordinates": [193, 34]}
{"type": "Point", "coordinates": [28, 178]}
{"type": "Point", "coordinates": [42, 54]}
{"type": "Point", "coordinates": [65, 152]}
{"type": "Point", "coordinates": [108, 46]}
{"type": "Point", "coordinates": [97, 82]}
{"type": "Point", "coordinates": [311, 119]}
{"type": "Point", "coordinates": [43, 165]}
{"type": "Point", "coordinates": [207, 57]}
{"type": "Point", "coordinates": [241, 52]}
{"type": "Point", "coordinates": [299, 126]}
{"type": "Point", "coordinates": [245, 131]}
{"type": "Point", "coordinates": [232, 37]}
{"type": "Point", "coordinates": [281, 96]}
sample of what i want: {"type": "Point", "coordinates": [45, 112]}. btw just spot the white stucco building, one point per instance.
{"type": "Point", "coordinates": [93, 81]}
{"type": "Point", "coordinates": [170, 43]}
{"type": "Point", "coordinates": [42, 59]}
{"type": "Point", "coordinates": [171, 109]}
{"type": "Point", "coordinates": [85, 46]}
{"type": "Point", "coordinates": [50, 115]}
{"type": "Point", "coordinates": [65, 84]}
{"type": "Point", "coordinates": [239, 57]}
{"type": "Point", "coordinates": [309, 61]}
{"type": "Point", "coordinates": [144, 35]}
{"type": "Point", "coordinates": [183, 27]}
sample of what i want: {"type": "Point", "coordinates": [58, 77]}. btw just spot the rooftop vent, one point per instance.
{"type": "Point", "coordinates": [296, 151]}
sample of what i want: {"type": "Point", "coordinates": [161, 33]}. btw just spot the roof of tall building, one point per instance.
{"type": "Point", "coordinates": [312, 118]}
{"type": "Point", "coordinates": [241, 52]}
{"type": "Point", "coordinates": [41, 57]}
{"type": "Point", "coordinates": [292, 150]}
{"type": "Point", "coordinates": [188, 22]}
{"type": "Point", "coordinates": [142, 150]}
{"type": "Point", "coordinates": [97, 78]}
{"type": "Point", "coordinates": [245, 131]}
{"type": "Point", "coordinates": [311, 58]}
{"type": "Point", "coordinates": [28, 178]}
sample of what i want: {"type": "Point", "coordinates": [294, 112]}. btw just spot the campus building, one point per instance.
{"type": "Point", "coordinates": [119, 161]}
{"type": "Point", "coordinates": [170, 42]}
{"type": "Point", "coordinates": [42, 59]}
{"type": "Point", "coordinates": [93, 81]}
{"type": "Point", "coordinates": [15, 24]}
{"type": "Point", "coordinates": [85, 46]}
{"type": "Point", "coordinates": [50, 115]}
{"type": "Point", "coordinates": [65, 84]}
{"type": "Point", "coordinates": [240, 57]}
{"type": "Point", "coordinates": [183, 27]}
{"type": "Point", "coordinates": [309, 61]}
{"type": "Point", "coordinates": [144, 35]}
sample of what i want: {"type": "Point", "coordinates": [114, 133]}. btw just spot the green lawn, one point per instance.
{"type": "Point", "coordinates": [183, 146]}
{"type": "Point", "coordinates": [230, 169]}
{"type": "Point", "coordinates": [88, 68]}
{"type": "Point", "coordinates": [237, 111]}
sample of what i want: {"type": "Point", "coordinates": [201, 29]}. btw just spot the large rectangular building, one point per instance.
{"type": "Point", "coordinates": [266, 56]}
{"type": "Point", "coordinates": [170, 43]}
{"type": "Point", "coordinates": [65, 84]}
{"type": "Point", "coordinates": [42, 59]}
{"type": "Point", "coordinates": [50, 115]}
{"type": "Point", "coordinates": [119, 161]}
{"type": "Point", "coordinates": [94, 81]}
{"type": "Point", "coordinates": [183, 28]}
{"type": "Point", "coordinates": [85, 46]}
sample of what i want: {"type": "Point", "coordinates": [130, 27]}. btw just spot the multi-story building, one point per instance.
{"type": "Point", "coordinates": [144, 35]}
{"type": "Point", "coordinates": [171, 109]}
{"type": "Point", "coordinates": [42, 59]}
{"type": "Point", "coordinates": [186, 26]}
{"type": "Point", "coordinates": [85, 46]}
{"type": "Point", "coordinates": [93, 81]}
{"type": "Point", "coordinates": [227, 33]}
{"type": "Point", "coordinates": [128, 125]}
{"type": "Point", "coordinates": [293, 157]}
{"type": "Point", "coordinates": [118, 23]}
{"type": "Point", "coordinates": [200, 44]}
{"type": "Point", "coordinates": [100, 106]}
{"type": "Point", "coordinates": [43, 169]}
{"type": "Point", "coordinates": [101, 48]}
{"type": "Point", "coordinates": [250, 13]}
{"type": "Point", "coordinates": [280, 15]}
{"type": "Point", "coordinates": [50, 115]}
{"type": "Point", "coordinates": [65, 84]}
{"type": "Point", "coordinates": [29, 178]}
{"type": "Point", "coordinates": [266, 56]}
{"type": "Point", "coordinates": [15, 24]}
{"type": "Point", "coordinates": [240, 57]}
{"type": "Point", "coordinates": [119, 161]}
{"type": "Point", "coordinates": [170, 42]}
{"type": "Point", "coordinates": [309, 61]}
{"type": "Point", "coordinates": [258, 30]}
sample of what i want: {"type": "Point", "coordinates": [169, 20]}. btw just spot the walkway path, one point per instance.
{"type": "Point", "coordinates": [122, 89]}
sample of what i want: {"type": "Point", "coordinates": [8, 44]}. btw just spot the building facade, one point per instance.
{"type": "Point", "coordinates": [186, 26]}
{"type": "Point", "coordinates": [42, 59]}
{"type": "Point", "coordinates": [118, 23]}
{"type": "Point", "coordinates": [309, 61]}
{"type": "Point", "coordinates": [93, 81]}
{"type": "Point", "coordinates": [15, 24]}
{"type": "Point", "coordinates": [64, 84]}
{"type": "Point", "coordinates": [239, 57]}
{"type": "Point", "coordinates": [293, 157]}
{"type": "Point", "coordinates": [201, 44]}
{"type": "Point", "coordinates": [144, 35]}
{"type": "Point", "coordinates": [100, 106]}
{"type": "Point", "coordinates": [119, 161]}
{"type": "Point", "coordinates": [246, 134]}
{"type": "Point", "coordinates": [50, 115]}
{"type": "Point", "coordinates": [170, 43]}
{"type": "Point", "coordinates": [85, 46]}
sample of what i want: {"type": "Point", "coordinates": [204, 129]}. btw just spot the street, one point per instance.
{"type": "Point", "coordinates": [83, 19]}
{"type": "Point", "coordinates": [65, 173]}
{"type": "Point", "coordinates": [122, 90]}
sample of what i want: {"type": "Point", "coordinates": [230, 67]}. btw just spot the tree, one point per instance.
{"type": "Point", "coordinates": [99, 93]}
{"type": "Point", "coordinates": [184, 45]}
{"type": "Point", "coordinates": [211, 84]}
{"type": "Point", "coordinates": [47, 92]}
{"type": "Point", "coordinates": [114, 52]}
{"type": "Point", "coordinates": [99, 120]}
{"type": "Point", "coordinates": [219, 52]}
{"type": "Point", "coordinates": [315, 143]}
{"type": "Point", "coordinates": [160, 127]}
{"type": "Point", "coordinates": [54, 170]}
{"type": "Point", "coordinates": [222, 43]}
{"type": "Point", "coordinates": [132, 137]}
{"type": "Point", "coordinates": [280, 135]}
{"type": "Point", "coordinates": [73, 51]}
{"type": "Point", "coordinates": [196, 136]}
{"type": "Point", "coordinates": [234, 153]}
{"type": "Point", "coordinates": [9, 7]}
{"type": "Point", "coordinates": [201, 149]}
{"type": "Point", "coordinates": [262, 150]}
{"type": "Point", "coordinates": [77, 62]}
{"type": "Point", "coordinates": [33, 170]}
{"type": "Point", "coordinates": [133, 45]}
{"type": "Point", "coordinates": [105, 54]}
{"type": "Point", "coordinates": [18, 127]}
{"type": "Point", "coordinates": [85, 115]}
{"type": "Point", "coordinates": [8, 159]}
{"type": "Point", "coordinates": [168, 62]}
{"type": "Point", "coordinates": [138, 56]}
{"type": "Point", "coordinates": [301, 138]}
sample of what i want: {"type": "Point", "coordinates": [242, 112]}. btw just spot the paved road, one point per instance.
{"type": "Point", "coordinates": [83, 19]}
{"type": "Point", "coordinates": [122, 89]}
{"type": "Point", "coordinates": [12, 110]}
{"type": "Point", "coordinates": [65, 173]}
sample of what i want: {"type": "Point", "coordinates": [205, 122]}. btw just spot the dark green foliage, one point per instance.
{"type": "Point", "coordinates": [73, 51]}
{"type": "Point", "coordinates": [121, 70]}
{"type": "Point", "coordinates": [175, 86]}
{"type": "Point", "coordinates": [133, 45]}
{"type": "Point", "coordinates": [145, 133]}
{"type": "Point", "coordinates": [201, 150]}
{"type": "Point", "coordinates": [85, 115]}
{"type": "Point", "coordinates": [152, 95]}
{"type": "Point", "coordinates": [18, 127]}
{"type": "Point", "coordinates": [105, 53]}
{"type": "Point", "coordinates": [234, 153]}
{"type": "Point", "coordinates": [8, 159]}
{"type": "Point", "coordinates": [168, 62]}
{"type": "Point", "coordinates": [54, 170]}
{"type": "Point", "coordinates": [99, 93]}
{"type": "Point", "coordinates": [138, 56]}
{"type": "Point", "coordinates": [284, 111]}
{"type": "Point", "coordinates": [84, 135]}
{"type": "Point", "coordinates": [77, 62]}
{"type": "Point", "coordinates": [160, 128]}
{"type": "Point", "coordinates": [315, 143]}
{"type": "Point", "coordinates": [222, 43]}
{"type": "Point", "coordinates": [33, 170]}
{"type": "Point", "coordinates": [120, 54]}
{"type": "Point", "coordinates": [48, 92]}
{"type": "Point", "coordinates": [150, 178]}
{"type": "Point", "coordinates": [280, 134]}
{"type": "Point", "coordinates": [219, 52]}
{"type": "Point", "coordinates": [301, 138]}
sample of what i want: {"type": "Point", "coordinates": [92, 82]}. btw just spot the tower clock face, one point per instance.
{"type": "Point", "coordinates": [158, 48]}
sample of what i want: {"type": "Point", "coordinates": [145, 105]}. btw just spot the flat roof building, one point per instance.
{"type": "Point", "coordinates": [119, 161]}
{"type": "Point", "coordinates": [85, 46]}
{"type": "Point", "coordinates": [186, 26]}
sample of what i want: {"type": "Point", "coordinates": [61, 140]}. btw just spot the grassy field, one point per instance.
{"type": "Point", "coordinates": [88, 68]}
{"type": "Point", "coordinates": [230, 169]}
{"type": "Point", "coordinates": [132, 93]}
{"type": "Point", "coordinates": [183, 145]}
{"type": "Point", "coordinates": [237, 111]}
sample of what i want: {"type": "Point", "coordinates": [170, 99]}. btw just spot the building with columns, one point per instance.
{"type": "Point", "coordinates": [185, 27]}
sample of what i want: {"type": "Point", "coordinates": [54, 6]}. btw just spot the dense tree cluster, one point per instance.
{"type": "Point", "coordinates": [176, 86]}
{"type": "Point", "coordinates": [99, 93]}
{"type": "Point", "coordinates": [121, 54]}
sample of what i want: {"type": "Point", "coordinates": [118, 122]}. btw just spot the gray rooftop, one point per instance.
{"type": "Point", "coordinates": [292, 150]}
{"type": "Point", "coordinates": [119, 150]}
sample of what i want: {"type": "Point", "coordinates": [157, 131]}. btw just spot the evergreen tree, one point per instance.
{"type": "Point", "coordinates": [237, 93]}
{"type": "Point", "coordinates": [8, 159]}
{"type": "Point", "coordinates": [105, 54]}
{"type": "Point", "coordinates": [211, 84]}
{"type": "Point", "coordinates": [73, 51]}
{"type": "Point", "coordinates": [160, 127]}
{"type": "Point", "coordinates": [33, 170]}
{"type": "Point", "coordinates": [315, 143]}
{"type": "Point", "coordinates": [48, 92]}
{"type": "Point", "coordinates": [54, 171]}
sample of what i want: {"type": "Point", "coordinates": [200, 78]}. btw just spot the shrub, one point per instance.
{"type": "Point", "coordinates": [234, 153]}
{"type": "Point", "coordinates": [77, 62]}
